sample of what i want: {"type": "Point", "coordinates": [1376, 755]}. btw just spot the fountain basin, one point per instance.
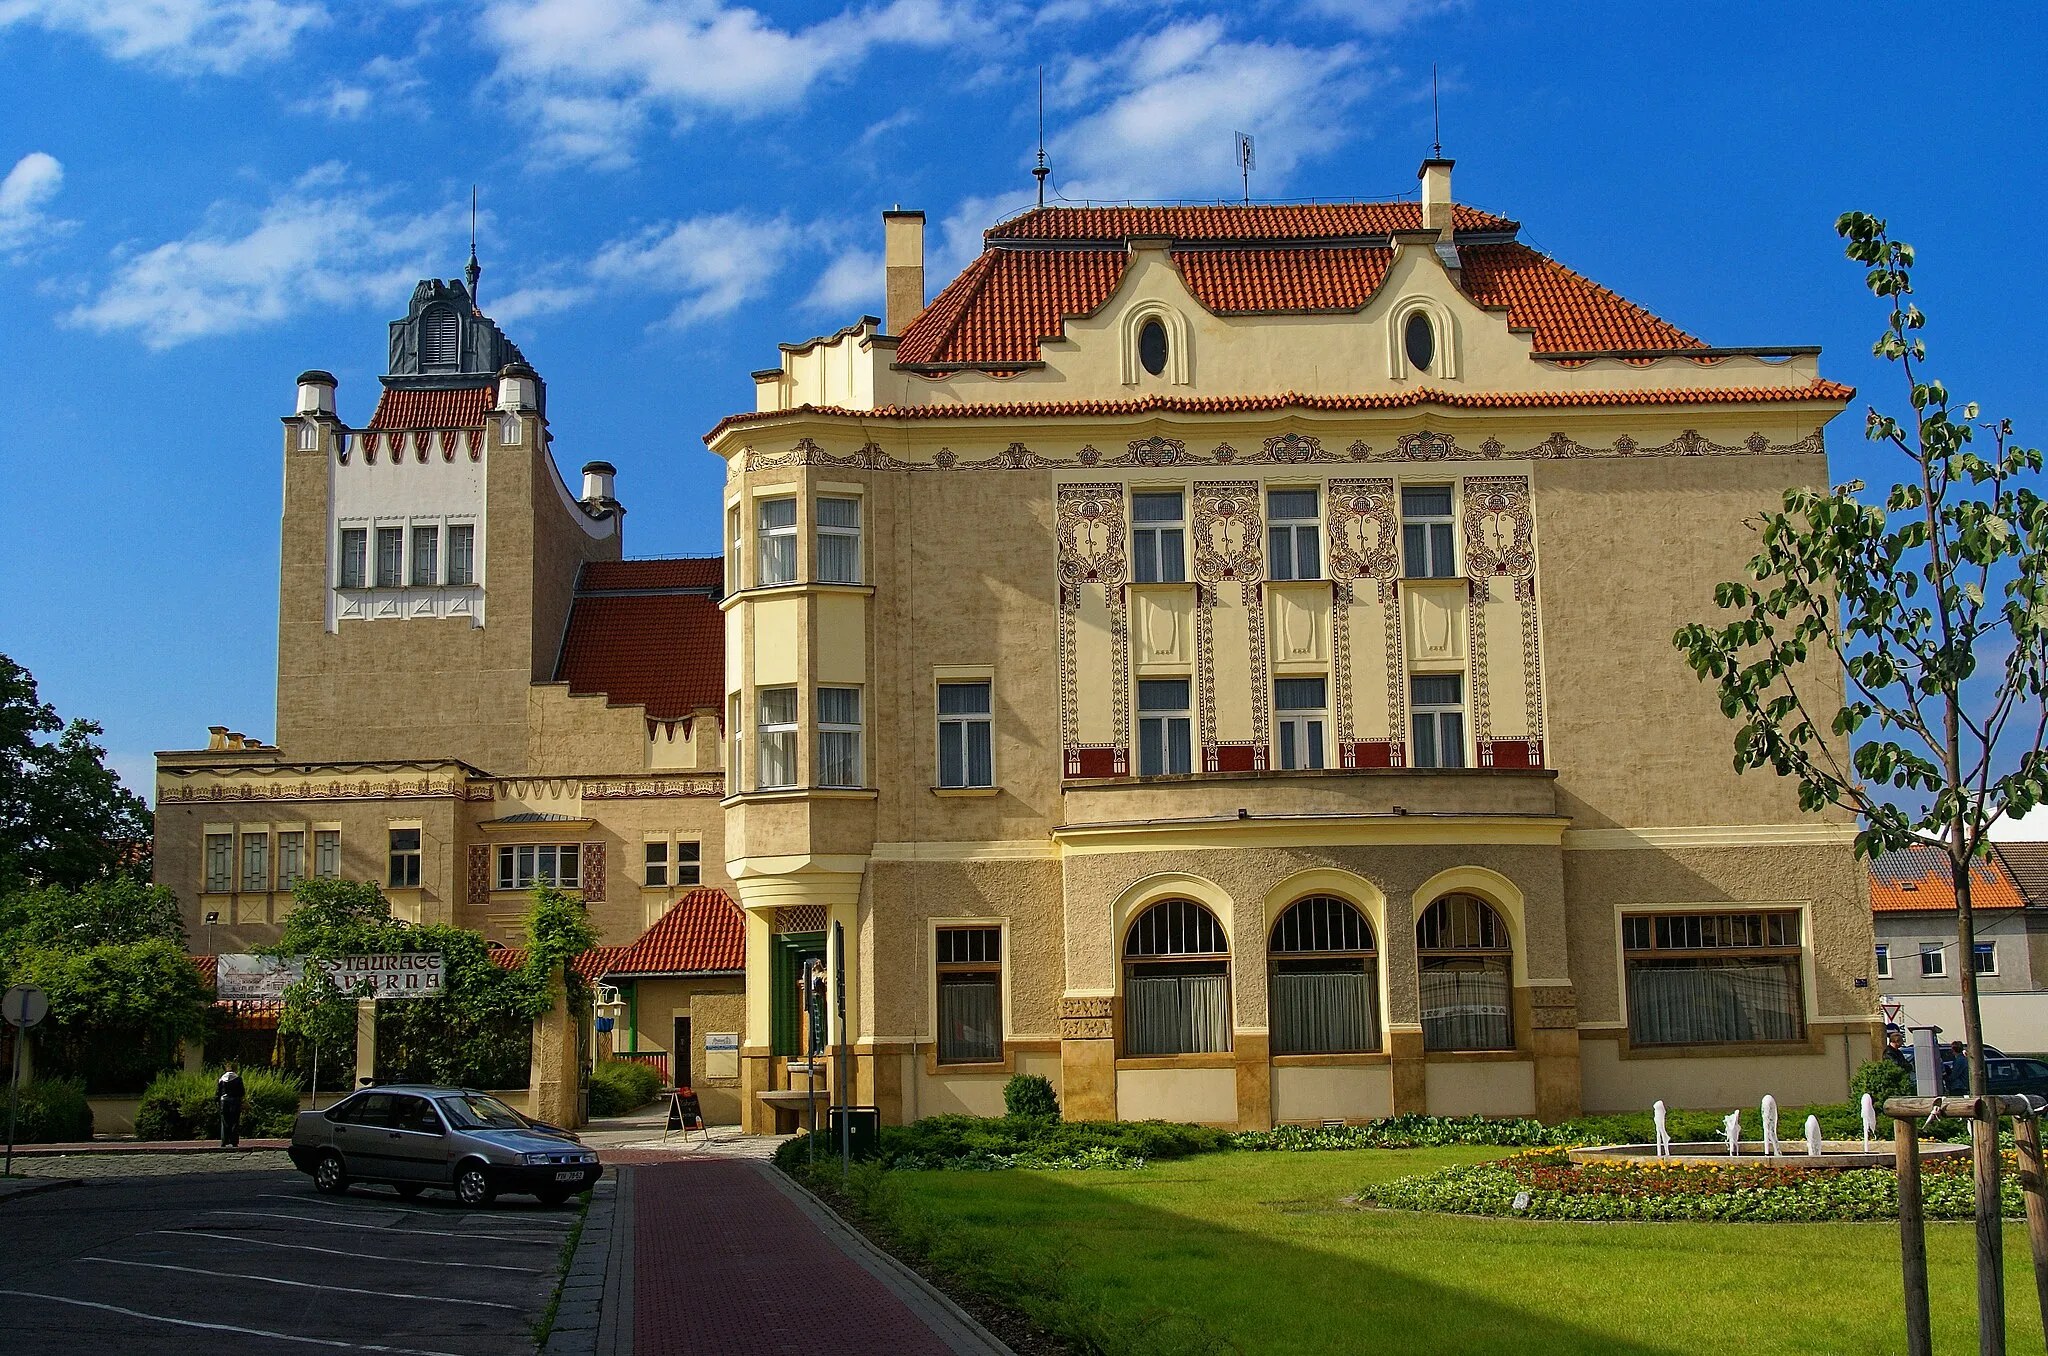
{"type": "Point", "coordinates": [1836, 1154]}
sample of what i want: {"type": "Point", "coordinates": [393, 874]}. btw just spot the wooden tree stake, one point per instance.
{"type": "Point", "coordinates": [1912, 1239]}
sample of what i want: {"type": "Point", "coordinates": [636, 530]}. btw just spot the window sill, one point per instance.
{"type": "Point", "coordinates": [935, 1069]}
{"type": "Point", "coordinates": [787, 793]}
{"type": "Point", "coordinates": [794, 589]}
{"type": "Point", "coordinates": [1811, 1043]}
{"type": "Point", "coordinates": [1363, 1057]}
{"type": "Point", "coordinates": [967, 790]}
{"type": "Point", "coordinates": [1476, 1056]}
{"type": "Point", "coordinates": [1215, 1060]}
{"type": "Point", "coordinates": [1188, 778]}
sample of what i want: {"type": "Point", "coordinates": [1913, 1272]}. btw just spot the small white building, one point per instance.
{"type": "Point", "coordinates": [1918, 962]}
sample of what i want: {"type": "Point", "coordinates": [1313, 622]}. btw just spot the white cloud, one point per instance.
{"type": "Point", "coordinates": [1380, 17]}
{"type": "Point", "coordinates": [852, 281]}
{"type": "Point", "coordinates": [326, 242]}
{"type": "Point", "coordinates": [24, 193]}
{"type": "Point", "coordinates": [959, 233]}
{"type": "Point", "coordinates": [217, 36]}
{"type": "Point", "coordinates": [383, 85]}
{"type": "Point", "coordinates": [713, 262]}
{"type": "Point", "coordinates": [1179, 94]}
{"type": "Point", "coordinates": [591, 74]}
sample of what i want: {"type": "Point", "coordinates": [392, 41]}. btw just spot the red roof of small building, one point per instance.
{"type": "Point", "coordinates": [1917, 879]}
{"type": "Point", "coordinates": [703, 932]}
{"type": "Point", "coordinates": [407, 409]}
{"type": "Point", "coordinates": [590, 964]}
{"type": "Point", "coordinates": [647, 633]}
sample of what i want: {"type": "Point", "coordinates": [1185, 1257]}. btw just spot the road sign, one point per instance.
{"type": "Point", "coordinates": [1891, 1012]}
{"type": "Point", "coordinates": [24, 1006]}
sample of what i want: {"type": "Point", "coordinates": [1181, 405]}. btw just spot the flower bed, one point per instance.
{"type": "Point", "coordinates": [1541, 1184]}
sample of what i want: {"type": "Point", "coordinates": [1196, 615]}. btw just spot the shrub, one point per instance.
{"type": "Point", "coordinates": [1881, 1079]}
{"type": "Point", "coordinates": [975, 1143]}
{"type": "Point", "coordinates": [51, 1111]}
{"type": "Point", "coordinates": [618, 1086]}
{"type": "Point", "coordinates": [182, 1105]}
{"type": "Point", "coordinates": [1030, 1095]}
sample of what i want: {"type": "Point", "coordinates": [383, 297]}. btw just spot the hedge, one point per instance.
{"type": "Point", "coordinates": [618, 1086]}
{"type": "Point", "coordinates": [182, 1105]}
{"type": "Point", "coordinates": [50, 1111]}
{"type": "Point", "coordinates": [975, 1143]}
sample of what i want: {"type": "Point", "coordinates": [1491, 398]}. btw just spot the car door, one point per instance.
{"type": "Point", "coordinates": [413, 1139]}
{"type": "Point", "coordinates": [364, 1137]}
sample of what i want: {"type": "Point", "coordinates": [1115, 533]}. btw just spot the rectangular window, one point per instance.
{"type": "Point", "coordinates": [426, 556]}
{"type": "Point", "coordinates": [1428, 539]}
{"type": "Point", "coordinates": [220, 863]}
{"type": "Point", "coordinates": [735, 549]}
{"type": "Point", "coordinates": [462, 553]}
{"type": "Point", "coordinates": [839, 541]}
{"type": "Point", "coordinates": [970, 966]}
{"type": "Point", "coordinates": [1300, 708]}
{"type": "Point", "coordinates": [1165, 736]}
{"type": "Point", "coordinates": [521, 866]}
{"type": "Point", "coordinates": [839, 736]}
{"type": "Point", "coordinates": [1158, 541]}
{"type": "Point", "coordinates": [775, 710]}
{"type": "Point", "coordinates": [689, 864]}
{"type": "Point", "coordinates": [734, 761]}
{"type": "Point", "coordinates": [1884, 961]}
{"type": "Point", "coordinates": [1984, 955]}
{"type": "Point", "coordinates": [776, 528]}
{"type": "Point", "coordinates": [1706, 978]}
{"type": "Point", "coordinates": [1294, 534]}
{"type": "Point", "coordinates": [390, 557]}
{"type": "Point", "coordinates": [355, 557]}
{"type": "Point", "coordinates": [1437, 706]}
{"type": "Point", "coordinates": [1933, 962]}
{"type": "Point", "coordinates": [291, 858]}
{"type": "Point", "coordinates": [405, 859]}
{"type": "Point", "coordinates": [966, 736]}
{"type": "Point", "coordinates": [327, 853]}
{"type": "Point", "coordinates": [255, 863]}
{"type": "Point", "coordinates": [657, 865]}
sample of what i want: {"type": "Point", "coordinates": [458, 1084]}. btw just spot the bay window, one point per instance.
{"type": "Point", "coordinates": [839, 736]}
{"type": "Point", "coordinates": [775, 711]}
{"type": "Point", "coordinates": [522, 866]}
{"type": "Point", "coordinates": [838, 541]}
{"type": "Point", "coordinates": [776, 542]}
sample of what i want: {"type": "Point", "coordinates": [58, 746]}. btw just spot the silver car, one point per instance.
{"type": "Point", "coordinates": [414, 1137]}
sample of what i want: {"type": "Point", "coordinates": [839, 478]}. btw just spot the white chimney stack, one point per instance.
{"type": "Point", "coordinates": [903, 264]}
{"type": "Point", "coordinates": [316, 392]}
{"type": "Point", "coordinates": [1436, 195]}
{"type": "Point", "coordinates": [597, 483]}
{"type": "Point", "coordinates": [517, 388]}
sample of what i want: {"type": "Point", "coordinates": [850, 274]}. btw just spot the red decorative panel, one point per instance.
{"type": "Point", "coordinates": [1373, 753]}
{"type": "Point", "coordinates": [1516, 753]}
{"type": "Point", "coordinates": [593, 873]}
{"type": "Point", "coordinates": [1097, 762]}
{"type": "Point", "coordinates": [479, 875]}
{"type": "Point", "coordinates": [1238, 757]}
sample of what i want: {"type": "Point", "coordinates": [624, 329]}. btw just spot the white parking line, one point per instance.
{"type": "Point", "coordinates": [364, 1208]}
{"type": "Point", "coordinates": [228, 1327]}
{"type": "Point", "coordinates": [385, 1229]}
{"type": "Point", "coordinates": [337, 1252]}
{"type": "Point", "coordinates": [300, 1285]}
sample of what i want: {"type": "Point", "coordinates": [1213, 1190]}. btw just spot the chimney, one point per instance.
{"type": "Point", "coordinates": [597, 485]}
{"type": "Point", "coordinates": [516, 388]}
{"type": "Point", "coordinates": [1436, 196]}
{"type": "Point", "coordinates": [903, 260]}
{"type": "Point", "coordinates": [316, 392]}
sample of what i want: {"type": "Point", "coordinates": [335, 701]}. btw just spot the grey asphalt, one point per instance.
{"type": "Point", "coordinates": [260, 1262]}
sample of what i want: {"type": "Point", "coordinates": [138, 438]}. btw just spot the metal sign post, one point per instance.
{"type": "Point", "coordinates": [845, 1102]}
{"type": "Point", "coordinates": [23, 1006]}
{"type": "Point", "coordinates": [814, 1045]}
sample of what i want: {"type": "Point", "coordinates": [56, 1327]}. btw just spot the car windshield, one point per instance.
{"type": "Point", "coordinates": [475, 1111]}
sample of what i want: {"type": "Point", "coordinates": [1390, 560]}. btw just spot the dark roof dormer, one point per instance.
{"type": "Point", "coordinates": [445, 343]}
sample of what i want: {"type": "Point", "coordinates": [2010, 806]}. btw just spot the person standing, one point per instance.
{"type": "Point", "coordinates": [1895, 1050]}
{"type": "Point", "coordinates": [229, 1090]}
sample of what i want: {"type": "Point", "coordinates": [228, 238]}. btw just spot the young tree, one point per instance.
{"type": "Point", "coordinates": [65, 818]}
{"type": "Point", "coordinates": [1935, 606]}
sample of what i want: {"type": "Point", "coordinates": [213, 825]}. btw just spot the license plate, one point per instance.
{"type": "Point", "coordinates": [576, 1176]}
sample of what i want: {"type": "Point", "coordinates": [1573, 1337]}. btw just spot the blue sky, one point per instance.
{"type": "Point", "coordinates": [199, 198]}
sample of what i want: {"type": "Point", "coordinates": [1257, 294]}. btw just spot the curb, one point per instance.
{"type": "Point", "coordinates": [146, 1146]}
{"type": "Point", "coordinates": [948, 1321]}
{"type": "Point", "coordinates": [593, 1315]}
{"type": "Point", "coordinates": [10, 1190]}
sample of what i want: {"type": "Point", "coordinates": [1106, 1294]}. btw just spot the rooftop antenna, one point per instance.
{"type": "Point", "coordinates": [1436, 114]}
{"type": "Point", "coordinates": [475, 270]}
{"type": "Point", "coordinates": [1042, 169]}
{"type": "Point", "coordinates": [1245, 164]}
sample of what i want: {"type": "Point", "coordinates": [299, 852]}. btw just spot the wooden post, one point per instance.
{"type": "Point", "coordinates": [1990, 1229]}
{"type": "Point", "coordinates": [1912, 1238]}
{"type": "Point", "coordinates": [2026, 1134]}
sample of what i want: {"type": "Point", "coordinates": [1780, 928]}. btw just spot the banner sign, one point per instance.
{"type": "Point", "coordinates": [403, 974]}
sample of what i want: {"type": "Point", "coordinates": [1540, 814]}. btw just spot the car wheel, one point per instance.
{"type": "Point", "coordinates": [473, 1185]}
{"type": "Point", "coordinates": [552, 1195]}
{"type": "Point", "coordinates": [330, 1175]}
{"type": "Point", "coordinates": [409, 1190]}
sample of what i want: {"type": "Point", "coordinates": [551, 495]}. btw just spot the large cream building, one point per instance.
{"type": "Point", "coordinates": [1217, 658]}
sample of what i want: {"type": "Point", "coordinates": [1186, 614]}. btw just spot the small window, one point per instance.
{"type": "Point", "coordinates": [1158, 540]}
{"type": "Point", "coordinates": [657, 865]}
{"type": "Point", "coordinates": [775, 708]}
{"type": "Point", "coordinates": [255, 863]}
{"type": "Point", "coordinates": [735, 549]}
{"type": "Point", "coordinates": [1437, 717]}
{"type": "Point", "coordinates": [839, 541]}
{"type": "Point", "coordinates": [521, 866]}
{"type": "Point", "coordinates": [355, 558]}
{"type": "Point", "coordinates": [839, 736]}
{"type": "Point", "coordinates": [220, 863]}
{"type": "Point", "coordinates": [309, 436]}
{"type": "Point", "coordinates": [405, 859]}
{"type": "Point", "coordinates": [1294, 534]}
{"type": "Point", "coordinates": [970, 975]}
{"type": "Point", "coordinates": [1984, 955]}
{"type": "Point", "coordinates": [777, 529]}
{"type": "Point", "coordinates": [1428, 539]}
{"type": "Point", "coordinates": [390, 557]}
{"type": "Point", "coordinates": [734, 760]}
{"type": "Point", "coordinates": [462, 553]}
{"type": "Point", "coordinates": [966, 736]}
{"type": "Point", "coordinates": [1933, 963]}
{"type": "Point", "coordinates": [426, 556]}
{"type": "Point", "coordinates": [1884, 961]}
{"type": "Point", "coordinates": [1165, 736]}
{"type": "Point", "coordinates": [1418, 337]}
{"type": "Point", "coordinates": [1152, 347]}
{"type": "Point", "coordinates": [1301, 706]}
{"type": "Point", "coordinates": [688, 863]}
{"type": "Point", "coordinates": [440, 339]}
{"type": "Point", "coordinates": [327, 853]}
{"type": "Point", "coordinates": [291, 858]}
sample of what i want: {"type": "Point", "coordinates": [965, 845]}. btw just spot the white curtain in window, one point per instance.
{"type": "Point", "coordinates": [1324, 1014]}
{"type": "Point", "coordinates": [1466, 1010]}
{"type": "Point", "coordinates": [1176, 1014]}
{"type": "Point", "coordinates": [970, 1019]}
{"type": "Point", "coordinates": [1755, 1000]}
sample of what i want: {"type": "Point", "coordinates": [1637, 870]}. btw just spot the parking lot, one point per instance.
{"type": "Point", "coordinates": [258, 1261]}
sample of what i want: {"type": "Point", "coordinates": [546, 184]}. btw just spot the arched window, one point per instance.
{"type": "Point", "coordinates": [1325, 979]}
{"type": "Point", "coordinates": [1418, 337]}
{"type": "Point", "coordinates": [1152, 347]}
{"type": "Point", "coordinates": [1176, 982]}
{"type": "Point", "coordinates": [440, 339]}
{"type": "Point", "coordinates": [1464, 953]}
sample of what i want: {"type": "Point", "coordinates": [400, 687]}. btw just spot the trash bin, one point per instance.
{"type": "Point", "coordinates": [865, 1123]}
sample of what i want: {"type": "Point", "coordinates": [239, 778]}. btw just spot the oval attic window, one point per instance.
{"type": "Point", "coordinates": [1152, 347]}
{"type": "Point", "coordinates": [1419, 338]}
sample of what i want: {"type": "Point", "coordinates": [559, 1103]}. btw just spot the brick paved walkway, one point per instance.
{"type": "Point", "coordinates": [726, 1263]}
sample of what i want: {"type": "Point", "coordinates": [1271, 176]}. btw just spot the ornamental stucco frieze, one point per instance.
{"type": "Point", "coordinates": [423, 788]}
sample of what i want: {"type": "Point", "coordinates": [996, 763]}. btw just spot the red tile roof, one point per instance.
{"type": "Point", "coordinates": [1569, 313]}
{"type": "Point", "coordinates": [1158, 404]}
{"type": "Point", "coordinates": [1917, 879]}
{"type": "Point", "coordinates": [1228, 221]}
{"type": "Point", "coordinates": [398, 409]}
{"type": "Point", "coordinates": [647, 633]}
{"type": "Point", "coordinates": [704, 931]}
{"type": "Point", "coordinates": [591, 964]}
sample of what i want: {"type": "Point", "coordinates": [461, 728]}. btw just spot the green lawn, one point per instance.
{"type": "Point", "coordinates": [1258, 1250]}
